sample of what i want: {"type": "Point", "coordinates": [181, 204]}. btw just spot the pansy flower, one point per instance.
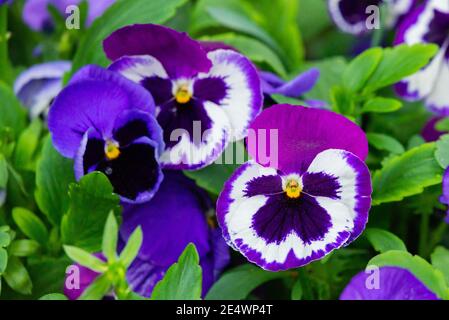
{"type": "Point", "coordinates": [169, 224]}
{"type": "Point", "coordinates": [38, 18]}
{"type": "Point", "coordinates": [429, 23]}
{"type": "Point", "coordinates": [105, 123]}
{"type": "Point", "coordinates": [313, 199]}
{"type": "Point", "coordinates": [205, 98]}
{"type": "Point", "coordinates": [352, 16]}
{"type": "Point", "coordinates": [430, 132]}
{"type": "Point", "coordinates": [37, 86]}
{"type": "Point", "coordinates": [394, 284]}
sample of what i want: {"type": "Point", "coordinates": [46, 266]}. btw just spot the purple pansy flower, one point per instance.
{"type": "Point", "coordinates": [38, 18]}
{"type": "Point", "coordinates": [169, 223]}
{"type": "Point", "coordinates": [37, 86]}
{"type": "Point", "coordinates": [314, 200]}
{"type": "Point", "coordinates": [105, 123]}
{"type": "Point", "coordinates": [444, 199]}
{"type": "Point", "coordinates": [205, 98]}
{"type": "Point", "coordinates": [429, 23]}
{"type": "Point", "coordinates": [394, 284]}
{"type": "Point", "coordinates": [352, 16]}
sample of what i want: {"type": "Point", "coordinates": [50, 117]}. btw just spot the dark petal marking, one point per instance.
{"type": "Point", "coordinates": [320, 184]}
{"type": "Point", "coordinates": [94, 154]}
{"type": "Point", "coordinates": [438, 28]}
{"type": "Point", "coordinates": [160, 89]}
{"type": "Point", "coordinates": [174, 116]}
{"type": "Point", "coordinates": [131, 131]}
{"type": "Point", "coordinates": [265, 185]}
{"type": "Point", "coordinates": [355, 11]}
{"type": "Point", "coordinates": [212, 89]}
{"type": "Point", "coordinates": [135, 171]}
{"type": "Point", "coordinates": [281, 216]}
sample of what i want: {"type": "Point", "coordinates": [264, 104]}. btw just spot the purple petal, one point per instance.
{"type": "Point", "coordinates": [93, 99]}
{"type": "Point", "coordinates": [429, 132]}
{"type": "Point", "coordinates": [394, 284]}
{"type": "Point", "coordinates": [302, 133]}
{"type": "Point", "coordinates": [294, 88]}
{"type": "Point", "coordinates": [180, 55]}
{"type": "Point", "coordinates": [169, 222]}
{"type": "Point", "coordinates": [278, 232]}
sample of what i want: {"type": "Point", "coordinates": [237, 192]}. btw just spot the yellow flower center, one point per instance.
{"type": "Point", "coordinates": [183, 94]}
{"type": "Point", "coordinates": [112, 150]}
{"type": "Point", "coordinates": [293, 189]}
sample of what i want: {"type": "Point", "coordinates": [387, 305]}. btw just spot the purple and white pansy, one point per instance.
{"type": "Point", "coordinates": [313, 199]}
{"type": "Point", "coordinates": [37, 86]}
{"type": "Point", "coordinates": [205, 98]}
{"type": "Point", "coordinates": [428, 23]}
{"type": "Point", "coordinates": [394, 284]}
{"type": "Point", "coordinates": [106, 123]}
{"type": "Point", "coordinates": [352, 16]}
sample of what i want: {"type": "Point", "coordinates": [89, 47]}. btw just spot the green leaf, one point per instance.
{"type": "Point", "coordinates": [342, 100]}
{"type": "Point", "coordinates": [13, 115]}
{"type": "Point", "coordinates": [381, 105]}
{"type": "Point", "coordinates": [17, 277]}
{"type": "Point", "coordinates": [281, 99]}
{"type": "Point", "coordinates": [3, 172]}
{"type": "Point", "coordinates": [361, 69]}
{"type": "Point", "coordinates": [98, 289]}
{"type": "Point", "coordinates": [330, 75]}
{"type": "Point", "coordinates": [54, 173]}
{"type": "Point", "coordinates": [27, 145]}
{"type": "Point", "coordinates": [384, 241]}
{"type": "Point", "coordinates": [442, 151]}
{"type": "Point", "coordinates": [110, 236]}
{"type": "Point", "coordinates": [399, 62]}
{"type": "Point", "coordinates": [132, 247]}
{"type": "Point", "coordinates": [85, 259]}
{"type": "Point", "coordinates": [255, 50]}
{"type": "Point", "coordinates": [442, 125]}
{"type": "Point", "coordinates": [297, 291]}
{"type": "Point", "coordinates": [238, 283]}
{"type": "Point", "coordinates": [182, 280]}
{"type": "Point", "coordinates": [120, 14]}
{"type": "Point", "coordinates": [406, 174]}
{"type": "Point", "coordinates": [54, 296]}
{"type": "Point", "coordinates": [91, 200]}
{"type": "Point", "coordinates": [30, 225]}
{"type": "Point", "coordinates": [23, 248]}
{"type": "Point", "coordinates": [440, 260]}
{"type": "Point", "coordinates": [5, 239]}
{"type": "Point", "coordinates": [237, 21]}
{"type": "Point", "coordinates": [431, 277]}
{"type": "Point", "coordinates": [384, 142]}
{"type": "Point", "coordinates": [3, 260]}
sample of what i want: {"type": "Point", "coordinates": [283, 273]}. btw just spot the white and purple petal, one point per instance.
{"type": "Point", "coordinates": [277, 232]}
{"type": "Point", "coordinates": [37, 86]}
{"type": "Point", "coordinates": [429, 23]}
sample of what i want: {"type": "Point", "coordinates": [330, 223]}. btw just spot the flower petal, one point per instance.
{"type": "Point", "coordinates": [299, 134]}
{"type": "Point", "coordinates": [180, 55]}
{"type": "Point", "coordinates": [93, 99]}
{"type": "Point", "coordinates": [394, 284]}
{"type": "Point", "coordinates": [294, 88]}
{"type": "Point", "coordinates": [244, 97]}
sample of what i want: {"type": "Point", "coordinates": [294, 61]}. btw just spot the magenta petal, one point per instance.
{"type": "Point", "coordinates": [180, 55]}
{"type": "Point", "coordinates": [302, 133]}
{"type": "Point", "coordinates": [394, 284]}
